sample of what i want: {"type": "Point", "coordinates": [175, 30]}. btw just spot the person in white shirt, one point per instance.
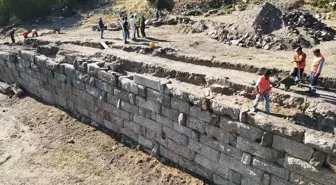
{"type": "Point", "coordinates": [132, 26]}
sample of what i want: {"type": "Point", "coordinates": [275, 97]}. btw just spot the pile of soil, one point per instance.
{"type": "Point", "coordinates": [267, 27]}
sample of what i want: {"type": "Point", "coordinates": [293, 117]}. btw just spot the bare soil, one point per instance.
{"type": "Point", "coordinates": [40, 144]}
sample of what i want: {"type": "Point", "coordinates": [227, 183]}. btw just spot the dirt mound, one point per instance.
{"type": "Point", "coordinates": [268, 27]}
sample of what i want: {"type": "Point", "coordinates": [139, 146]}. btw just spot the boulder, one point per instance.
{"type": "Point", "coordinates": [194, 13]}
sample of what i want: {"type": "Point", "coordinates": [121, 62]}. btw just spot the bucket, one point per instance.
{"type": "Point", "coordinates": [151, 45]}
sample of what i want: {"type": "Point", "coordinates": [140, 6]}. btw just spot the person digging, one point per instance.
{"type": "Point", "coordinates": [263, 88]}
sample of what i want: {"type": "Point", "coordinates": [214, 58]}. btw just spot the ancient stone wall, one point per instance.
{"type": "Point", "coordinates": [208, 137]}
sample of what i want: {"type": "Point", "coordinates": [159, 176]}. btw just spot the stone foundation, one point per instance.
{"type": "Point", "coordinates": [214, 139]}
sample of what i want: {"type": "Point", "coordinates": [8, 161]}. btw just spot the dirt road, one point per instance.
{"type": "Point", "coordinates": [40, 144]}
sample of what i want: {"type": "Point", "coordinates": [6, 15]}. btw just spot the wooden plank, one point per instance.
{"type": "Point", "coordinates": [104, 44]}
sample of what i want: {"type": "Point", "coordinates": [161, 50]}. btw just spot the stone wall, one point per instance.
{"type": "Point", "coordinates": [208, 137]}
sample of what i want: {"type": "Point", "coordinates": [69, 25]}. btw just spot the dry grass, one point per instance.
{"type": "Point", "coordinates": [134, 6]}
{"type": "Point", "coordinates": [108, 18]}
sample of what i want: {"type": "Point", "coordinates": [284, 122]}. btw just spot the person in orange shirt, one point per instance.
{"type": "Point", "coordinates": [25, 34]}
{"type": "Point", "coordinates": [34, 33]}
{"type": "Point", "coordinates": [263, 88]}
{"type": "Point", "coordinates": [316, 69]}
{"type": "Point", "coordinates": [300, 63]}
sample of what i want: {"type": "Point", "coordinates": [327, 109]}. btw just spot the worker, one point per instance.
{"type": "Point", "coordinates": [143, 26]}
{"type": "Point", "coordinates": [125, 28]}
{"type": "Point", "coordinates": [316, 69]}
{"type": "Point", "coordinates": [25, 34]}
{"type": "Point", "coordinates": [137, 24]}
{"type": "Point", "coordinates": [34, 33]}
{"type": "Point", "coordinates": [101, 27]}
{"type": "Point", "coordinates": [300, 64]}
{"type": "Point", "coordinates": [132, 26]}
{"type": "Point", "coordinates": [11, 33]}
{"type": "Point", "coordinates": [263, 88]}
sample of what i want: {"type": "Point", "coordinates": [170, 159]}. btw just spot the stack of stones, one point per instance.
{"type": "Point", "coordinates": [209, 137]}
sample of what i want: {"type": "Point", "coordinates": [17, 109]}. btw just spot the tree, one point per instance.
{"type": "Point", "coordinates": [161, 5]}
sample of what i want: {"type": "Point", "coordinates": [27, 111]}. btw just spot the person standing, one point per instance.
{"type": "Point", "coordinates": [300, 63]}
{"type": "Point", "coordinates": [316, 69]}
{"type": "Point", "coordinates": [125, 29]}
{"type": "Point", "coordinates": [11, 33]}
{"type": "Point", "coordinates": [143, 26]}
{"type": "Point", "coordinates": [263, 88]}
{"type": "Point", "coordinates": [132, 26]}
{"type": "Point", "coordinates": [137, 24]}
{"type": "Point", "coordinates": [101, 27]}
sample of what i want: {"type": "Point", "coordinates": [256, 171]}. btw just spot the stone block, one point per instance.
{"type": "Point", "coordinates": [235, 177]}
{"type": "Point", "coordinates": [331, 163]}
{"type": "Point", "coordinates": [92, 91]}
{"type": "Point", "coordinates": [147, 113]}
{"type": "Point", "coordinates": [217, 133]}
{"type": "Point", "coordinates": [116, 120]}
{"type": "Point", "coordinates": [3, 62]}
{"type": "Point", "coordinates": [129, 107]}
{"type": "Point", "coordinates": [195, 168]}
{"type": "Point", "coordinates": [111, 126]}
{"type": "Point", "coordinates": [267, 179]}
{"type": "Point", "coordinates": [132, 98]}
{"type": "Point", "coordinates": [180, 105]}
{"type": "Point", "coordinates": [251, 147]}
{"type": "Point", "coordinates": [78, 84]}
{"type": "Point", "coordinates": [60, 77]}
{"type": "Point", "coordinates": [60, 101]}
{"type": "Point", "coordinates": [267, 139]}
{"type": "Point", "coordinates": [225, 109]}
{"type": "Point", "coordinates": [318, 159]}
{"type": "Point", "coordinates": [180, 150]}
{"type": "Point", "coordinates": [97, 118]}
{"type": "Point", "coordinates": [24, 63]}
{"type": "Point", "coordinates": [170, 113]}
{"type": "Point", "coordinates": [51, 65]}
{"type": "Point", "coordinates": [121, 94]}
{"type": "Point", "coordinates": [218, 180]}
{"type": "Point", "coordinates": [246, 159]}
{"type": "Point", "coordinates": [148, 123]}
{"type": "Point", "coordinates": [147, 81]}
{"type": "Point", "coordinates": [93, 69]}
{"type": "Point", "coordinates": [215, 144]}
{"type": "Point", "coordinates": [303, 168]}
{"type": "Point", "coordinates": [196, 124]}
{"type": "Point", "coordinates": [69, 69]}
{"type": "Point", "coordinates": [200, 114]}
{"type": "Point", "coordinates": [204, 150]}
{"type": "Point", "coordinates": [129, 134]}
{"type": "Point", "coordinates": [7, 56]}
{"type": "Point", "coordinates": [175, 136]}
{"type": "Point", "coordinates": [158, 97]}
{"type": "Point", "coordinates": [233, 152]}
{"type": "Point", "coordinates": [27, 55]}
{"type": "Point", "coordinates": [121, 114]}
{"type": "Point", "coordinates": [142, 91]}
{"type": "Point", "coordinates": [5, 88]}
{"type": "Point", "coordinates": [129, 85]}
{"type": "Point", "coordinates": [150, 105]}
{"type": "Point", "coordinates": [276, 126]}
{"type": "Point", "coordinates": [82, 77]}
{"type": "Point", "coordinates": [164, 121]}
{"type": "Point", "coordinates": [292, 147]}
{"type": "Point", "coordinates": [11, 65]}
{"type": "Point", "coordinates": [298, 179]}
{"type": "Point", "coordinates": [182, 119]}
{"type": "Point", "coordinates": [40, 60]}
{"type": "Point", "coordinates": [150, 134]}
{"type": "Point", "coordinates": [47, 72]}
{"type": "Point", "coordinates": [248, 181]}
{"type": "Point", "coordinates": [186, 131]}
{"type": "Point", "coordinates": [34, 67]}
{"type": "Point", "coordinates": [246, 171]}
{"type": "Point", "coordinates": [112, 99]}
{"type": "Point", "coordinates": [168, 154]}
{"type": "Point", "coordinates": [107, 77]}
{"type": "Point", "coordinates": [212, 166]}
{"type": "Point", "coordinates": [228, 124]}
{"type": "Point", "coordinates": [279, 181]}
{"type": "Point", "coordinates": [321, 141]}
{"type": "Point", "coordinates": [249, 132]}
{"type": "Point", "coordinates": [271, 168]}
{"type": "Point", "coordinates": [133, 127]}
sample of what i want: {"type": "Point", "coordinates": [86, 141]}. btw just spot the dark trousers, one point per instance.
{"type": "Point", "coordinates": [137, 31]}
{"type": "Point", "coordinates": [143, 31]}
{"type": "Point", "coordinates": [12, 37]}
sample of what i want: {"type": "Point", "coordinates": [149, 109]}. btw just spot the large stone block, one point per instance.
{"type": "Point", "coordinates": [121, 94]}
{"type": "Point", "coordinates": [112, 99]}
{"type": "Point", "coordinates": [145, 142]}
{"type": "Point", "coordinates": [186, 131]}
{"type": "Point", "coordinates": [164, 121]}
{"type": "Point", "coordinates": [170, 113]}
{"type": "Point", "coordinates": [69, 69]}
{"type": "Point", "coordinates": [331, 163]}
{"type": "Point", "coordinates": [271, 168]}
{"type": "Point", "coordinates": [51, 65]}
{"type": "Point", "coordinates": [92, 91]}
{"type": "Point", "coordinates": [249, 132]}
{"type": "Point", "coordinates": [129, 107]}
{"type": "Point", "coordinates": [204, 150]}
{"type": "Point", "coordinates": [175, 136]}
{"type": "Point", "coordinates": [180, 150]}
{"type": "Point", "coordinates": [321, 141]}
{"type": "Point", "coordinates": [97, 118]}
{"type": "Point", "coordinates": [215, 144]}
{"type": "Point", "coordinates": [292, 147]}
{"type": "Point", "coordinates": [78, 84]}
{"type": "Point", "coordinates": [251, 147]}
{"type": "Point", "coordinates": [276, 125]}
{"type": "Point", "coordinates": [180, 105]}
{"type": "Point", "coordinates": [148, 123]}
{"type": "Point", "coordinates": [247, 171]}
{"type": "Point", "coordinates": [130, 134]}
{"type": "Point", "coordinates": [195, 168]}
{"type": "Point", "coordinates": [134, 127]}
{"type": "Point", "coordinates": [150, 105]}
{"type": "Point", "coordinates": [129, 85]}
{"type": "Point", "coordinates": [298, 179]}
{"type": "Point", "coordinates": [112, 126]}
{"type": "Point", "coordinates": [11, 57]}
{"type": "Point", "coordinates": [24, 63]}
{"type": "Point", "coordinates": [60, 77]}
{"type": "Point", "coordinates": [156, 96]}
{"type": "Point", "coordinates": [82, 77]}
{"type": "Point", "coordinates": [147, 81]}
{"type": "Point", "coordinates": [196, 124]}
{"type": "Point", "coordinates": [228, 124]}
{"type": "Point", "coordinates": [235, 177]}
{"type": "Point", "coordinates": [217, 133]}
{"type": "Point", "coordinates": [303, 168]}
{"type": "Point", "coordinates": [225, 109]}
{"type": "Point", "coordinates": [93, 69]}
{"type": "Point", "coordinates": [278, 181]}
{"type": "Point", "coordinates": [3, 62]}
{"type": "Point", "coordinates": [169, 154]}
{"type": "Point", "coordinates": [318, 159]}
{"type": "Point", "coordinates": [147, 113]}
{"type": "Point", "coordinates": [212, 166]}
{"type": "Point", "coordinates": [233, 152]}
{"type": "Point", "coordinates": [218, 180]}
{"type": "Point", "coordinates": [200, 114]}
{"type": "Point", "coordinates": [27, 55]}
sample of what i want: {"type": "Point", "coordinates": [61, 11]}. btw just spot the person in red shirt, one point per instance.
{"type": "Point", "coordinates": [26, 33]}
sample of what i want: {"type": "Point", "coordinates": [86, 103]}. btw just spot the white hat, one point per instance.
{"type": "Point", "coordinates": [135, 14]}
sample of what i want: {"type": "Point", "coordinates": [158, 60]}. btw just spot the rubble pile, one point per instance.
{"type": "Point", "coordinates": [270, 28]}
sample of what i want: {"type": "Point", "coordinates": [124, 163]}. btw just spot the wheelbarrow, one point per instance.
{"type": "Point", "coordinates": [288, 81]}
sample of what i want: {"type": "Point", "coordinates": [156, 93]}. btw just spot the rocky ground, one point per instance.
{"type": "Point", "coordinates": [40, 144]}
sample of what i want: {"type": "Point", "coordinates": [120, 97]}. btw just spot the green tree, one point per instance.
{"type": "Point", "coordinates": [161, 5]}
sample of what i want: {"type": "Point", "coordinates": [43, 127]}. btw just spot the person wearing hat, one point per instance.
{"type": "Point", "coordinates": [300, 63]}
{"type": "Point", "coordinates": [263, 88]}
{"type": "Point", "coordinates": [316, 69]}
{"type": "Point", "coordinates": [101, 27]}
